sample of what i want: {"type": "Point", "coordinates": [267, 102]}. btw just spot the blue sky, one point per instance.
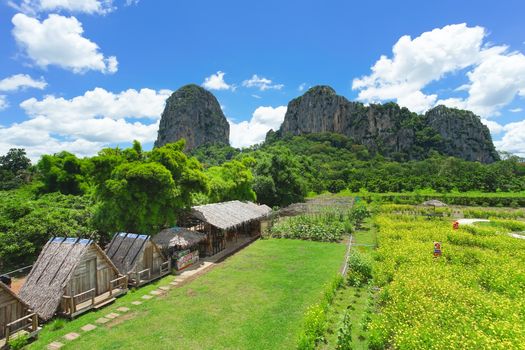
{"type": "Point", "coordinates": [79, 75]}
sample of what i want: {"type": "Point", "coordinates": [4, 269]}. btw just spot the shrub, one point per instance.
{"type": "Point", "coordinates": [57, 324]}
{"type": "Point", "coordinates": [18, 342]}
{"type": "Point", "coordinates": [359, 269]}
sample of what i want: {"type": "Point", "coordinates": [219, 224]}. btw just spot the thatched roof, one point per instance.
{"type": "Point", "coordinates": [434, 203]}
{"type": "Point", "coordinates": [227, 215]}
{"type": "Point", "coordinates": [177, 237]}
{"type": "Point", "coordinates": [126, 249]}
{"type": "Point", "coordinates": [44, 286]}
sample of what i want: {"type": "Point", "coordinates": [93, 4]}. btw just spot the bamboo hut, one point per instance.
{"type": "Point", "coordinates": [71, 276]}
{"type": "Point", "coordinates": [223, 223]}
{"type": "Point", "coordinates": [181, 245]}
{"type": "Point", "coordinates": [138, 257]}
{"type": "Point", "coordinates": [16, 316]}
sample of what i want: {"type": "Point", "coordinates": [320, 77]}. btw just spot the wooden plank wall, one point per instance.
{"type": "Point", "coordinates": [11, 309]}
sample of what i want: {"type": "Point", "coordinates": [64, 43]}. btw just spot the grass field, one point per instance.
{"type": "Point", "coordinates": [254, 300]}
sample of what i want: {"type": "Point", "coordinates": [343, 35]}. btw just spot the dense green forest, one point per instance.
{"type": "Point", "coordinates": [142, 191]}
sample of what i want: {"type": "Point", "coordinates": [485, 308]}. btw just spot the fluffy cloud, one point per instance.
{"type": "Point", "coordinates": [85, 123]}
{"type": "Point", "coordinates": [21, 81]}
{"type": "Point", "coordinates": [514, 139]}
{"type": "Point", "coordinates": [261, 83]}
{"type": "Point", "coordinates": [515, 110]}
{"type": "Point", "coordinates": [216, 82]}
{"type": "Point", "coordinates": [495, 75]}
{"type": "Point", "coordinates": [81, 6]}
{"type": "Point", "coordinates": [247, 133]}
{"type": "Point", "coordinates": [58, 41]}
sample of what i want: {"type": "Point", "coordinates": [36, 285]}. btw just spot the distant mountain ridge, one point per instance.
{"type": "Point", "coordinates": [389, 129]}
{"type": "Point", "coordinates": [194, 113]}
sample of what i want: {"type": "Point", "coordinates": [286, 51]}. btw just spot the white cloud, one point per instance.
{"type": "Point", "coordinates": [32, 7]}
{"type": "Point", "coordinates": [516, 110]}
{"type": "Point", "coordinates": [261, 83]}
{"type": "Point", "coordinates": [3, 102]}
{"type": "Point", "coordinates": [216, 82]}
{"type": "Point", "coordinates": [86, 123]}
{"type": "Point", "coordinates": [302, 87]}
{"type": "Point", "coordinates": [514, 139]}
{"type": "Point", "coordinates": [21, 81]}
{"type": "Point", "coordinates": [494, 127]}
{"type": "Point", "coordinates": [256, 96]}
{"type": "Point", "coordinates": [250, 132]}
{"type": "Point", "coordinates": [495, 75]}
{"type": "Point", "coordinates": [58, 41]}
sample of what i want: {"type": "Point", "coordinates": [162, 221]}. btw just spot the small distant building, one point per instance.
{"type": "Point", "coordinates": [15, 316]}
{"type": "Point", "coordinates": [138, 257]}
{"type": "Point", "coordinates": [181, 245]}
{"type": "Point", "coordinates": [434, 203]}
{"type": "Point", "coordinates": [223, 223]}
{"type": "Point", "coordinates": [71, 276]}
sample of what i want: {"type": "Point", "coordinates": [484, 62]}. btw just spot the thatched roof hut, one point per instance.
{"type": "Point", "coordinates": [178, 238]}
{"type": "Point", "coordinates": [227, 215]}
{"type": "Point", "coordinates": [15, 313]}
{"type": "Point", "coordinates": [75, 269]}
{"type": "Point", "coordinates": [138, 257]}
{"type": "Point", "coordinates": [434, 203]}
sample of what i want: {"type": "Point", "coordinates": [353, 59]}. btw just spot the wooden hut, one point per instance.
{"type": "Point", "coordinates": [71, 276]}
{"type": "Point", "coordinates": [138, 257]}
{"type": "Point", "coordinates": [16, 316]}
{"type": "Point", "coordinates": [181, 245]}
{"type": "Point", "coordinates": [223, 223]}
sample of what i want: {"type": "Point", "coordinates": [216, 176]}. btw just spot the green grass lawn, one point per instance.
{"type": "Point", "coordinates": [254, 300]}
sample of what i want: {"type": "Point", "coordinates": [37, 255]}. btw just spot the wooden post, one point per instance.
{"type": "Point", "coordinates": [7, 333]}
{"type": "Point", "coordinates": [35, 322]}
{"type": "Point", "coordinates": [110, 289]}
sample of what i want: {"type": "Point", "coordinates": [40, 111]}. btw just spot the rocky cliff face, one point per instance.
{"type": "Point", "coordinates": [389, 129]}
{"type": "Point", "coordinates": [193, 113]}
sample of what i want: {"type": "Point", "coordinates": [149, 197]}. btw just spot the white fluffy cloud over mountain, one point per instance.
{"type": "Point", "coordinates": [59, 41]}
{"type": "Point", "coordinates": [495, 75]}
{"type": "Point", "coordinates": [249, 132]}
{"type": "Point", "coordinates": [85, 123]}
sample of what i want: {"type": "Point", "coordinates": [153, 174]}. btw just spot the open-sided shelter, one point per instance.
{"type": "Point", "coordinates": [181, 245]}
{"type": "Point", "coordinates": [138, 257]}
{"type": "Point", "coordinates": [15, 316]}
{"type": "Point", "coordinates": [224, 222]}
{"type": "Point", "coordinates": [71, 276]}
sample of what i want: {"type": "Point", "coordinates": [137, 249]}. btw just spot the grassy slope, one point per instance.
{"type": "Point", "coordinates": [255, 300]}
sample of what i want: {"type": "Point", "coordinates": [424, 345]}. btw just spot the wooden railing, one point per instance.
{"type": "Point", "coordinates": [119, 282]}
{"type": "Point", "coordinates": [165, 267]}
{"type": "Point", "coordinates": [71, 302]}
{"type": "Point", "coordinates": [29, 323]}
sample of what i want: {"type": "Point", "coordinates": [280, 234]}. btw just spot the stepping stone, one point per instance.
{"type": "Point", "coordinates": [55, 345]}
{"type": "Point", "coordinates": [136, 302]}
{"type": "Point", "coordinates": [88, 327]}
{"type": "Point", "coordinates": [174, 283]}
{"type": "Point", "coordinates": [102, 320]}
{"type": "Point", "coordinates": [165, 288]}
{"type": "Point", "coordinates": [147, 297]}
{"type": "Point", "coordinates": [123, 309]}
{"type": "Point", "coordinates": [71, 336]}
{"type": "Point", "coordinates": [112, 315]}
{"type": "Point", "coordinates": [155, 292]}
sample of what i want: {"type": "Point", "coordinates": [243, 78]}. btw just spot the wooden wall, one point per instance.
{"type": "Point", "coordinates": [151, 259]}
{"type": "Point", "coordinates": [93, 271]}
{"type": "Point", "coordinates": [11, 309]}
